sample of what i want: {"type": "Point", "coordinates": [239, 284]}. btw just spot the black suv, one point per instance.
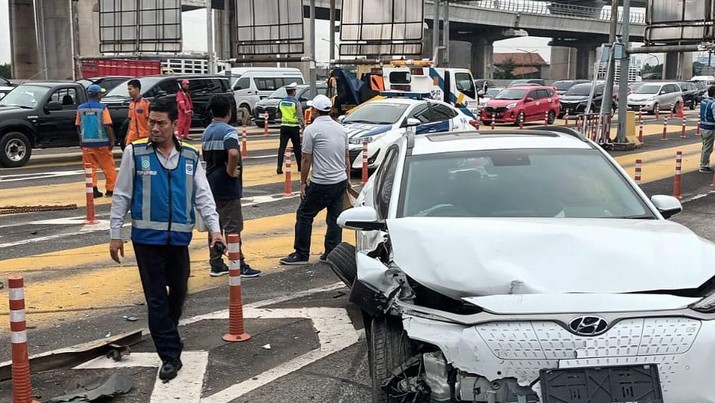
{"type": "Point", "coordinates": [691, 94]}
{"type": "Point", "coordinates": [202, 88]}
{"type": "Point", "coordinates": [268, 107]}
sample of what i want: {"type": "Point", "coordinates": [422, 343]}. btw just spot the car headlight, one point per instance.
{"type": "Point", "coordinates": [359, 140]}
{"type": "Point", "coordinates": [706, 304]}
{"type": "Point", "coordinates": [511, 106]}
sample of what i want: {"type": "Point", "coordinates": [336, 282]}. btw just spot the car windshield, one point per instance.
{"type": "Point", "coordinates": [25, 96]}
{"type": "Point", "coordinates": [121, 91]}
{"type": "Point", "coordinates": [377, 113]}
{"type": "Point", "coordinates": [579, 90]}
{"type": "Point", "coordinates": [563, 85]}
{"type": "Point", "coordinates": [518, 183]}
{"type": "Point", "coordinates": [280, 93]}
{"type": "Point", "coordinates": [493, 92]}
{"type": "Point", "coordinates": [648, 89]}
{"type": "Point", "coordinates": [512, 94]}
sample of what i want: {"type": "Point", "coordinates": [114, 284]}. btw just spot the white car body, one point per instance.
{"type": "Point", "coordinates": [380, 136]}
{"type": "Point", "coordinates": [535, 279]}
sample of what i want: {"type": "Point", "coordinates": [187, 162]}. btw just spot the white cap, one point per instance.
{"type": "Point", "coordinates": [321, 103]}
{"type": "Point", "coordinates": [292, 86]}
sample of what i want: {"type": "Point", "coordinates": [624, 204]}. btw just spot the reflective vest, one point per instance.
{"type": "Point", "coordinates": [91, 125]}
{"type": "Point", "coordinates": [289, 112]}
{"type": "Point", "coordinates": [163, 199]}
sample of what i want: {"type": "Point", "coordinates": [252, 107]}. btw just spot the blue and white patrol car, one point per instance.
{"type": "Point", "coordinates": [381, 122]}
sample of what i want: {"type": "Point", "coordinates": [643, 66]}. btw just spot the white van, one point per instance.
{"type": "Point", "coordinates": [251, 84]}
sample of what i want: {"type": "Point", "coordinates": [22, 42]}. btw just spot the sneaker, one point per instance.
{"type": "Point", "coordinates": [294, 259]}
{"type": "Point", "coordinates": [706, 170]}
{"type": "Point", "coordinates": [248, 272]}
{"type": "Point", "coordinates": [169, 369]}
{"type": "Point", "coordinates": [324, 257]}
{"type": "Point", "coordinates": [108, 193]}
{"type": "Point", "coordinates": [219, 272]}
{"type": "Point", "coordinates": [96, 193]}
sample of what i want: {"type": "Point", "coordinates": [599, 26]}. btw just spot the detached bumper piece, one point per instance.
{"type": "Point", "coordinates": [636, 383]}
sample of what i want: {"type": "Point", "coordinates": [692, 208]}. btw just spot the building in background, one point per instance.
{"type": "Point", "coordinates": [520, 65]}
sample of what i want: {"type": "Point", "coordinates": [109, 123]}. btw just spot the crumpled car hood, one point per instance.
{"type": "Point", "coordinates": [462, 257]}
{"type": "Point", "coordinates": [356, 130]}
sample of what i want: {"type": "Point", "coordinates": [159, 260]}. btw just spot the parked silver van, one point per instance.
{"type": "Point", "coordinates": [251, 84]}
{"type": "Point", "coordinates": [652, 96]}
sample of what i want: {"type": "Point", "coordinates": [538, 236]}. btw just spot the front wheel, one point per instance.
{"type": "Point", "coordinates": [243, 115]}
{"type": "Point", "coordinates": [520, 118]}
{"type": "Point", "coordinates": [16, 150]}
{"type": "Point", "coordinates": [552, 117]}
{"type": "Point", "coordinates": [676, 107]}
{"type": "Point", "coordinates": [389, 349]}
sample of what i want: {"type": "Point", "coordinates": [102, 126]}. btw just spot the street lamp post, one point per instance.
{"type": "Point", "coordinates": [531, 57]}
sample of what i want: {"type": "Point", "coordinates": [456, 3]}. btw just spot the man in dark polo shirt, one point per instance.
{"type": "Point", "coordinates": [221, 152]}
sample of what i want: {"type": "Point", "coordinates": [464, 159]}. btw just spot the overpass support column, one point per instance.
{"type": "Point", "coordinates": [23, 43]}
{"type": "Point", "coordinates": [57, 40]}
{"type": "Point", "coordinates": [563, 63]}
{"type": "Point", "coordinates": [585, 58]}
{"type": "Point", "coordinates": [482, 63]}
{"type": "Point", "coordinates": [678, 66]}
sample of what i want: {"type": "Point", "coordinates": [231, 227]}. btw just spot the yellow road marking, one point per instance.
{"type": "Point", "coordinates": [62, 283]}
{"type": "Point", "coordinates": [660, 164]}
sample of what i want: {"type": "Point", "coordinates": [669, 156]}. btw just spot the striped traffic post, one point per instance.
{"type": "Point", "coordinates": [236, 331]}
{"type": "Point", "coordinates": [664, 137]}
{"type": "Point", "coordinates": [494, 117]}
{"type": "Point", "coordinates": [682, 130]}
{"type": "Point", "coordinates": [89, 192]}
{"type": "Point", "coordinates": [21, 381]}
{"type": "Point", "coordinates": [566, 118]}
{"type": "Point", "coordinates": [364, 162]}
{"type": "Point", "coordinates": [244, 142]}
{"type": "Point", "coordinates": [678, 173]}
{"type": "Point", "coordinates": [640, 126]}
{"type": "Point", "coordinates": [265, 124]}
{"type": "Point", "coordinates": [546, 118]}
{"type": "Point", "coordinates": [288, 188]}
{"type": "Point", "coordinates": [639, 165]}
{"type": "Point", "coordinates": [657, 111]}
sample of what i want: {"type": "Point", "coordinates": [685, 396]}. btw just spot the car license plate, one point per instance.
{"type": "Point", "coordinates": [632, 383]}
{"type": "Point", "coordinates": [263, 115]}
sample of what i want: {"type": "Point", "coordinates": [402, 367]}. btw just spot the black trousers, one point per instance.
{"type": "Point", "coordinates": [318, 197]}
{"type": "Point", "coordinates": [291, 133]}
{"type": "Point", "coordinates": [162, 266]}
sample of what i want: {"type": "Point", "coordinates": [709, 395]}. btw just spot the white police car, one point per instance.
{"type": "Point", "coordinates": [381, 122]}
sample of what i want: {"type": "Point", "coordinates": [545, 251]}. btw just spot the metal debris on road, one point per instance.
{"type": "Point", "coordinates": [93, 389]}
{"type": "Point", "coordinates": [266, 347]}
{"type": "Point", "coordinates": [130, 318]}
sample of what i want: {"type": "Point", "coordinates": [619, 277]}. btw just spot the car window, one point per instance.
{"type": "Point", "coordinates": [542, 94]}
{"type": "Point", "coordinates": [377, 113]}
{"type": "Point", "coordinates": [268, 83]}
{"type": "Point", "coordinates": [67, 97]}
{"type": "Point", "coordinates": [214, 86]}
{"type": "Point", "coordinates": [465, 84]}
{"type": "Point", "coordinates": [421, 113]}
{"type": "Point", "coordinates": [442, 112]}
{"type": "Point", "coordinates": [511, 94]}
{"type": "Point", "coordinates": [385, 180]}
{"type": "Point", "coordinates": [242, 84]}
{"type": "Point", "coordinates": [168, 87]}
{"type": "Point", "coordinates": [518, 183]}
{"type": "Point", "coordinates": [533, 94]}
{"type": "Point", "coordinates": [25, 95]}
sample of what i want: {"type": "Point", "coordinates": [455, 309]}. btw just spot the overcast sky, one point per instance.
{"type": "Point", "coordinates": [194, 34]}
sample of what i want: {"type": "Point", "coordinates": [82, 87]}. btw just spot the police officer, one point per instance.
{"type": "Point", "coordinates": [291, 122]}
{"type": "Point", "coordinates": [161, 181]}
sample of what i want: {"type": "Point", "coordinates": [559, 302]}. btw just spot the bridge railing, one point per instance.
{"type": "Point", "coordinates": [555, 9]}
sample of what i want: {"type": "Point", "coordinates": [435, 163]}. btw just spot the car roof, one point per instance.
{"type": "Point", "coordinates": [502, 140]}
{"type": "Point", "coordinates": [406, 101]}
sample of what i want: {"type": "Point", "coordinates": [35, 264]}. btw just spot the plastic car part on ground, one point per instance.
{"type": "Point", "coordinates": [93, 389]}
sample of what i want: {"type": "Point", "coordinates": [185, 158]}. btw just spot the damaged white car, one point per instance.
{"type": "Point", "coordinates": [526, 267]}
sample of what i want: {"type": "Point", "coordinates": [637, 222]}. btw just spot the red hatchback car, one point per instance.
{"type": "Point", "coordinates": [527, 104]}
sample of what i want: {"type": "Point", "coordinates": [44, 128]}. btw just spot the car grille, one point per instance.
{"type": "Point", "coordinates": [262, 109]}
{"type": "Point", "coordinates": [627, 338]}
{"type": "Point", "coordinates": [491, 109]}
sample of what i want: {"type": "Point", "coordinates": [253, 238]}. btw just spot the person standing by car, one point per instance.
{"type": "Point", "coordinates": [138, 113]}
{"type": "Point", "coordinates": [94, 125]}
{"type": "Point", "coordinates": [707, 124]}
{"type": "Point", "coordinates": [186, 110]}
{"type": "Point", "coordinates": [291, 122]}
{"type": "Point", "coordinates": [161, 180]}
{"type": "Point", "coordinates": [325, 152]}
{"type": "Point", "coordinates": [224, 170]}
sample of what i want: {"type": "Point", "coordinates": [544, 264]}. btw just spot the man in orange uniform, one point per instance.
{"type": "Point", "coordinates": [94, 126]}
{"type": "Point", "coordinates": [186, 109]}
{"type": "Point", "coordinates": [138, 113]}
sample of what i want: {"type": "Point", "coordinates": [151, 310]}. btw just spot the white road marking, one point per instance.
{"type": "Point", "coordinates": [187, 385]}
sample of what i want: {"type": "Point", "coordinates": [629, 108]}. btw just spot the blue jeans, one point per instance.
{"type": "Point", "coordinates": [317, 198]}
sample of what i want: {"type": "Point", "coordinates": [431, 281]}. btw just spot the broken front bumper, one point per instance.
{"type": "Point", "coordinates": [680, 346]}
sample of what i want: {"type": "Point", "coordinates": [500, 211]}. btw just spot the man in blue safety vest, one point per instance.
{"type": "Point", "coordinates": [291, 123]}
{"type": "Point", "coordinates": [162, 181]}
{"type": "Point", "coordinates": [94, 125]}
{"type": "Point", "coordinates": [707, 124]}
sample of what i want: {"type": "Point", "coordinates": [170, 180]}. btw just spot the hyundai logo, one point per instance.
{"type": "Point", "coordinates": [588, 326]}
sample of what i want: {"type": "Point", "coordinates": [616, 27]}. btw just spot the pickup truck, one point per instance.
{"type": "Point", "coordinates": [38, 115]}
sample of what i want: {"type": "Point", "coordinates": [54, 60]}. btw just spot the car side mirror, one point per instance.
{"type": "Point", "coordinates": [341, 118]}
{"type": "Point", "coordinates": [362, 218]}
{"type": "Point", "coordinates": [668, 206]}
{"type": "Point", "coordinates": [530, 99]}
{"type": "Point", "coordinates": [411, 122]}
{"type": "Point", "coordinates": [662, 92]}
{"type": "Point", "coordinates": [481, 93]}
{"type": "Point", "coordinates": [53, 106]}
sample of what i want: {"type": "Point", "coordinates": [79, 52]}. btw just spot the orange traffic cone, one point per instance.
{"type": "Point", "coordinates": [680, 113]}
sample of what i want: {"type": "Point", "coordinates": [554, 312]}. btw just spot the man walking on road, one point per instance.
{"type": "Point", "coordinates": [707, 124]}
{"type": "Point", "coordinates": [224, 170]}
{"type": "Point", "coordinates": [325, 151]}
{"type": "Point", "coordinates": [186, 110]}
{"type": "Point", "coordinates": [138, 113]}
{"type": "Point", "coordinates": [291, 122]}
{"type": "Point", "coordinates": [94, 125]}
{"type": "Point", "coordinates": [161, 180]}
